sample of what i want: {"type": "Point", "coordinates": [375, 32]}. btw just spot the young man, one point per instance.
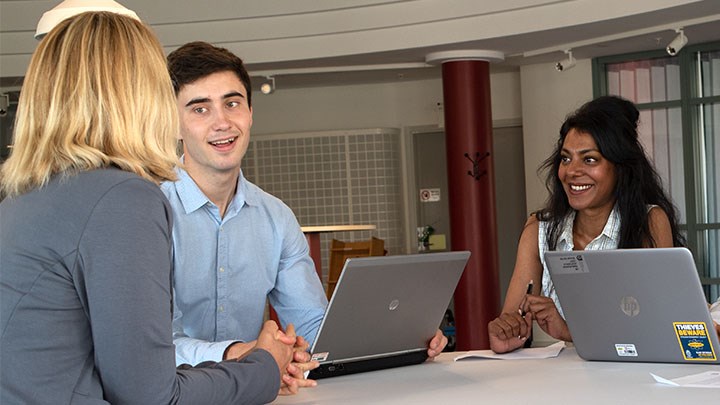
{"type": "Point", "coordinates": [235, 245]}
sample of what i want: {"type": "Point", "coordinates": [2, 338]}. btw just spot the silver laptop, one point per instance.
{"type": "Point", "coordinates": [637, 305]}
{"type": "Point", "coordinates": [384, 311]}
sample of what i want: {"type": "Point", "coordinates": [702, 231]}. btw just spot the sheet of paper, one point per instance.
{"type": "Point", "coordinates": [521, 354]}
{"type": "Point", "coordinates": [708, 379]}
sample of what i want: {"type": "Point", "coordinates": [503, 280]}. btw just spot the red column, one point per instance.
{"type": "Point", "coordinates": [471, 184]}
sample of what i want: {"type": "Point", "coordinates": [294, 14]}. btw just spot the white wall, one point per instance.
{"type": "Point", "coordinates": [538, 95]}
{"type": "Point", "coordinates": [548, 97]}
{"type": "Point", "coordinates": [393, 105]}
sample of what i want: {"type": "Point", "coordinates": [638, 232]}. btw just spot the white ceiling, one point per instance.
{"type": "Point", "coordinates": [337, 42]}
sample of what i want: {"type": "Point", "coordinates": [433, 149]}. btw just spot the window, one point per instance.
{"type": "Point", "coordinates": [679, 102]}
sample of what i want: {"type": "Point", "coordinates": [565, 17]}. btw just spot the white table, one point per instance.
{"type": "Point", "coordinates": [566, 379]}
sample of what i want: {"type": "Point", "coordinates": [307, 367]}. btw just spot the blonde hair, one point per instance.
{"type": "Point", "coordinates": [97, 93]}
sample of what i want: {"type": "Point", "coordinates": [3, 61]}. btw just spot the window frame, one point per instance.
{"type": "Point", "coordinates": [688, 104]}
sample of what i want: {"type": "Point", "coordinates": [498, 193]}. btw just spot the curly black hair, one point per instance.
{"type": "Point", "coordinates": [612, 122]}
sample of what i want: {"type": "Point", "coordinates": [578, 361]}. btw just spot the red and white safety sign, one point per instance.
{"type": "Point", "coordinates": [429, 194]}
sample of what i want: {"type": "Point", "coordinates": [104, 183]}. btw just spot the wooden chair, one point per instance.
{"type": "Point", "coordinates": [341, 251]}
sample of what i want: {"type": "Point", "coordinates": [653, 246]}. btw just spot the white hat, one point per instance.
{"type": "Point", "coordinates": [69, 8]}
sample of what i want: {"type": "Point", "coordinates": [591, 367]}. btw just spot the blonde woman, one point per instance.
{"type": "Point", "coordinates": [85, 233]}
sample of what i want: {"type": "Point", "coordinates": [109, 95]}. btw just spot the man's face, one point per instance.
{"type": "Point", "coordinates": [215, 121]}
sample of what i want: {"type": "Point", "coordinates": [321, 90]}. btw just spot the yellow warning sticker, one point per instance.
{"type": "Point", "coordinates": [694, 341]}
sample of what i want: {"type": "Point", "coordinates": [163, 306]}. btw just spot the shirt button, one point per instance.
{"type": "Point", "coordinates": [220, 309]}
{"type": "Point", "coordinates": [222, 270]}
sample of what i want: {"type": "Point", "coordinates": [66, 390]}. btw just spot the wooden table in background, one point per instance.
{"type": "Point", "coordinates": [312, 233]}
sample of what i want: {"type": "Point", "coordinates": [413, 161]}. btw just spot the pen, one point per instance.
{"type": "Point", "coordinates": [521, 311]}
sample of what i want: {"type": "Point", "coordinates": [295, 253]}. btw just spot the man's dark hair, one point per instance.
{"type": "Point", "coordinates": [196, 60]}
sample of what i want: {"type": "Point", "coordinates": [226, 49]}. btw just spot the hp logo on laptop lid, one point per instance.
{"type": "Point", "coordinates": [630, 306]}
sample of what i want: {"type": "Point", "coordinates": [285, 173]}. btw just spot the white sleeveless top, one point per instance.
{"type": "Point", "coordinates": [608, 239]}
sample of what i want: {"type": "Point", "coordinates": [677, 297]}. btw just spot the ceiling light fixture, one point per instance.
{"type": "Point", "coordinates": [713, 18]}
{"type": "Point", "coordinates": [566, 64]}
{"type": "Point", "coordinates": [268, 86]}
{"type": "Point", "coordinates": [676, 45]}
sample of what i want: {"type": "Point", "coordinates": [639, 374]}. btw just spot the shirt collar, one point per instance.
{"type": "Point", "coordinates": [566, 236]}
{"type": "Point", "coordinates": [192, 198]}
{"type": "Point", "coordinates": [612, 226]}
{"type": "Point", "coordinates": [610, 231]}
{"type": "Point", "coordinates": [243, 196]}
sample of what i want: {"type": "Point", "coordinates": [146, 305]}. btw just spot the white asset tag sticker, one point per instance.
{"type": "Point", "coordinates": [571, 263]}
{"type": "Point", "coordinates": [320, 356]}
{"type": "Point", "coordinates": [626, 350]}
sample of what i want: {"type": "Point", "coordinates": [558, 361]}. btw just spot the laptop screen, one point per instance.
{"type": "Point", "coordinates": [634, 305]}
{"type": "Point", "coordinates": [387, 306]}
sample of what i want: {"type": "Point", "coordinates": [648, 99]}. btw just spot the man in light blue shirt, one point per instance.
{"type": "Point", "coordinates": [235, 246]}
{"type": "Point", "coordinates": [225, 267]}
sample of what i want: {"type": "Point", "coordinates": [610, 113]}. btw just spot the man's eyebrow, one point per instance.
{"type": "Point", "coordinates": [197, 101]}
{"type": "Point", "coordinates": [233, 94]}
{"type": "Point", "coordinates": [201, 100]}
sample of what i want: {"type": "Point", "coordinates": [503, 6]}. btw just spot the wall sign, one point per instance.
{"type": "Point", "coordinates": [429, 194]}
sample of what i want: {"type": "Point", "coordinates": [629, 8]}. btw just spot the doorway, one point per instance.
{"type": "Point", "coordinates": [431, 190]}
{"type": "Point", "coordinates": [430, 173]}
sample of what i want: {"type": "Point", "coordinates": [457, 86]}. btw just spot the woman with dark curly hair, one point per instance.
{"type": "Point", "coordinates": [604, 194]}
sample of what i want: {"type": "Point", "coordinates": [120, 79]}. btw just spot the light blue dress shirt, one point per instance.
{"type": "Point", "coordinates": [225, 268]}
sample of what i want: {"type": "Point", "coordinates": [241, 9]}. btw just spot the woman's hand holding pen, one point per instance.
{"type": "Point", "coordinates": [510, 330]}
{"type": "Point", "coordinates": [544, 311]}
{"type": "Point", "coordinates": [522, 310]}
